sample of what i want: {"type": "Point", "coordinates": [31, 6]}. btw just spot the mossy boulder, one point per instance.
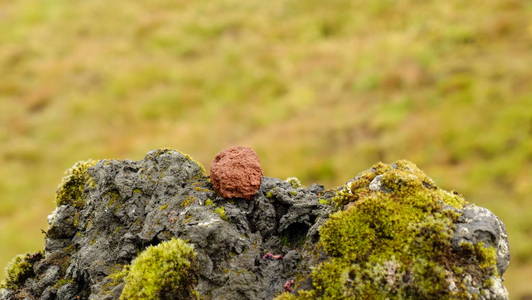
{"type": "Point", "coordinates": [156, 229]}
{"type": "Point", "coordinates": [393, 238]}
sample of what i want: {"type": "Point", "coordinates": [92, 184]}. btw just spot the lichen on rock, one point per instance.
{"type": "Point", "coordinates": [154, 227]}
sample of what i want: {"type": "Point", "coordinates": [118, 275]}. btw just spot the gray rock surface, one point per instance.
{"type": "Point", "coordinates": [130, 205]}
{"type": "Point", "coordinates": [479, 225]}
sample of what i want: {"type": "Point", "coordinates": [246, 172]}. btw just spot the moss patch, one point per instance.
{"type": "Point", "coordinates": [164, 271]}
{"type": "Point", "coordinates": [391, 238]}
{"type": "Point", "coordinates": [70, 191]}
{"type": "Point", "coordinates": [294, 182]}
{"type": "Point", "coordinates": [18, 270]}
{"type": "Point", "coordinates": [62, 282]}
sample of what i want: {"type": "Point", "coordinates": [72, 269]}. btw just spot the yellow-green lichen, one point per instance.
{"type": "Point", "coordinates": [209, 202]}
{"type": "Point", "coordinates": [188, 201]}
{"type": "Point", "coordinates": [221, 212]}
{"type": "Point", "coordinates": [17, 271]}
{"type": "Point", "coordinates": [202, 168]}
{"type": "Point", "coordinates": [324, 201]}
{"type": "Point", "coordinates": [112, 197]}
{"type": "Point", "coordinates": [62, 282]}
{"type": "Point", "coordinates": [75, 219]}
{"type": "Point", "coordinates": [70, 191]}
{"type": "Point", "coordinates": [201, 189]}
{"type": "Point", "coordinates": [114, 201]}
{"type": "Point", "coordinates": [393, 241]}
{"type": "Point", "coordinates": [164, 271]}
{"type": "Point", "coordinates": [188, 218]}
{"type": "Point", "coordinates": [294, 182]}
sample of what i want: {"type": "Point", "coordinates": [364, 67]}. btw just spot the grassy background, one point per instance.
{"type": "Point", "coordinates": [321, 89]}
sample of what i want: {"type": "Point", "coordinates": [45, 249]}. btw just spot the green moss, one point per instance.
{"type": "Point", "coordinates": [196, 295]}
{"type": "Point", "coordinates": [401, 230]}
{"type": "Point", "coordinates": [113, 197]}
{"type": "Point", "coordinates": [164, 271]}
{"type": "Point", "coordinates": [324, 201]}
{"type": "Point", "coordinates": [75, 220]}
{"type": "Point", "coordinates": [70, 248]}
{"type": "Point", "coordinates": [209, 202]}
{"type": "Point", "coordinates": [62, 282]}
{"type": "Point", "coordinates": [17, 271]}
{"type": "Point", "coordinates": [287, 296]}
{"type": "Point", "coordinates": [285, 241]}
{"type": "Point", "coordinates": [114, 201]}
{"type": "Point", "coordinates": [221, 212]}
{"type": "Point", "coordinates": [117, 229]}
{"type": "Point", "coordinates": [294, 182]}
{"type": "Point", "coordinates": [486, 257]}
{"type": "Point", "coordinates": [70, 191]}
{"type": "Point", "coordinates": [163, 207]}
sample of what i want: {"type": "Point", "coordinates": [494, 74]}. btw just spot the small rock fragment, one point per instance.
{"type": "Point", "coordinates": [288, 285]}
{"type": "Point", "coordinates": [236, 173]}
{"type": "Point", "coordinates": [272, 256]}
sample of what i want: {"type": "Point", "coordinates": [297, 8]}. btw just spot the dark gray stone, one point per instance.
{"type": "Point", "coordinates": [130, 205]}
{"type": "Point", "coordinates": [134, 204]}
{"type": "Point", "coordinates": [479, 225]}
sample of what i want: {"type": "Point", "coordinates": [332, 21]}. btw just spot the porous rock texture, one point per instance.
{"type": "Point", "coordinates": [281, 243]}
{"type": "Point", "coordinates": [236, 173]}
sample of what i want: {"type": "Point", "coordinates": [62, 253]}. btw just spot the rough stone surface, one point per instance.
{"type": "Point", "coordinates": [236, 173]}
{"type": "Point", "coordinates": [130, 205]}
{"type": "Point", "coordinates": [479, 225]}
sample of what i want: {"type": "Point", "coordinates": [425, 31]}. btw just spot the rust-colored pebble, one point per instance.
{"type": "Point", "coordinates": [236, 173]}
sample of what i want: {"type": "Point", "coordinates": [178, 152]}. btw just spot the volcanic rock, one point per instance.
{"type": "Point", "coordinates": [393, 236]}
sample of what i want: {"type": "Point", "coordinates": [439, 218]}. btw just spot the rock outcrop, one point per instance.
{"type": "Point", "coordinates": [156, 229]}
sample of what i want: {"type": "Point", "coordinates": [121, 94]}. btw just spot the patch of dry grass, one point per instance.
{"type": "Point", "coordinates": [321, 89]}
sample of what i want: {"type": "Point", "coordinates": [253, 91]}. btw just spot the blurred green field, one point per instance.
{"type": "Point", "coordinates": [321, 89]}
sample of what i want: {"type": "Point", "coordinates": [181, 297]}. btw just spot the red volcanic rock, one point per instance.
{"type": "Point", "coordinates": [236, 173]}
